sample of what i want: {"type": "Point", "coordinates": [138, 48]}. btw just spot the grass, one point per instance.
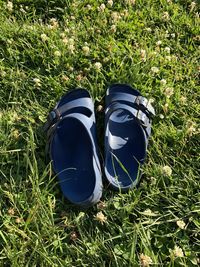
{"type": "Point", "coordinates": [40, 60]}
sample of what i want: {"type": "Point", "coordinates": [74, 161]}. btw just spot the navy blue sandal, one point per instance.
{"type": "Point", "coordinates": [72, 148]}
{"type": "Point", "coordinates": [127, 129]}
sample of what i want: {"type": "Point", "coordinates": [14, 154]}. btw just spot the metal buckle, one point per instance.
{"type": "Point", "coordinates": [137, 100]}
{"type": "Point", "coordinates": [142, 118]}
{"type": "Point", "coordinates": [52, 116]}
{"type": "Point", "coordinates": [146, 105]}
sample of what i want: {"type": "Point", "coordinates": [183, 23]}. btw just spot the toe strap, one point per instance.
{"type": "Point", "coordinates": [139, 101]}
{"type": "Point", "coordinates": [142, 118]}
{"type": "Point", "coordinates": [60, 111]}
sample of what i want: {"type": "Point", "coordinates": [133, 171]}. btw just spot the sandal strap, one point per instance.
{"type": "Point", "coordinates": [60, 111]}
{"type": "Point", "coordinates": [142, 118]}
{"type": "Point", "coordinates": [140, 101]}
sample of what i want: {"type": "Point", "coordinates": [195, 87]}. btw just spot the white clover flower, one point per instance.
{"type": "Point", "coordinates": [155, 69]}
{"type": "Point", "coordinates": [19, 220]}
{"type": "Point", "coordinates": [37, 82]}
{"type": "Point", "coordinates": [86, 50]}
{"type": "Point", "coordinates": [169, 92]}
{"type": "Point", "coordinates": [167, 171]}
{"type": "Point", "coordinates": [153, 180]}
{"type": "Point", "coordinates": [168, 58]}
{"type": "Point", "coordinates": [167, 49]}
{"type": "Point", "coordinates": [178, 252]}
{"type": "Point", "coordinates": [148, 29]}
{"type": "Point", "coordinates": [101, 8]}
{"type": "Point", "coordinates": [165, 107]}
{"type": "Point", "coordinates": [145, 260]}
{"type": "Point", "coordinates": [53, 23]}
{"type": "Point", "coordinates": [173, 35]}
{"type": "Point", "coordinates": [57, 53]}
{"type": "Point", "coordinates": [44, 37]}
{"type": "Point", "coordinates": [3, 73]}
{"type": "Point", "coordinates": [67, 30]}
{"type": "Point", "coordinates": [113, 28]}
{"type": "Point", "coordinates": [181, 224]}
{"type": "Point", "coordinates": [65, 41]}
{"type": "Point", "coordinates": [165, 16]}
{"type": "Point", "coordinates": [106, 59]}
{"type": "Point", "coordinates": [174, 57]}
{"type": "Point", "coordinates": [9, 6]}
{"type": "Point", "coordinates": [97, 65]}
{"type": "Point", "coordinates": [65, 78]}
{"type": "Point", "coordinates": [191, 127]}
{"type": "Point", "coordinates": [79, 77]}
{"type": "Point", "coordinates": [71, 41]}
{"type": "Point", "coordinates": [143, 54]}
{"type": "Point", "coordinates": [192, 6]}
{"type": "Point", "coordinates": [89, 7]}
{"type": "Point", "coordinates": [11, 211]}
{"type": "Point", "coordinates": [115, 16]}
{"type": "Point", "coordinates": [159, 43]}
{"type": "Point", "coordinates": [110, 3]}
{"type": "Point", "coordinates": [15, 134]}
{"type": "Point", "coordinates": [183, 99]}
{"type": "Point", "coordinates": [71, 48]}
{"type": "Point", "coordinates": [101, 205]}
{"type": "Point", "coordinates": [14, 116]}
{"type": "Point", "coordinates": [101, 217]}
{"type": "Point", "coordinates": [166, 34]}
{"type": "Point", "coordinates": [62, 35]}
{"type": "Point", "coordinates": [161, 116]}
{"type": "Point", "coordinates": [163, 82]}
{"type": "Point", "coordinates": [22, 9]}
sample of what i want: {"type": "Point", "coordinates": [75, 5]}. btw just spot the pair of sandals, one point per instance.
{"type": "Point", "coordinates": [72, 144]}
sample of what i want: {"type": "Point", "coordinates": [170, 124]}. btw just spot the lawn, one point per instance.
{"type": "Point", "coordinates": [50, 47]}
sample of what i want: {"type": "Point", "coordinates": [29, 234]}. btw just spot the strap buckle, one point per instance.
{"type": "Point", "coordinates": [52, 118]}
{"type": "Point", "coordinates": [144, 120]}
{"type": "Point", "coordinates": [142, 101]}
{"type": "Point", "coordinates": [137, 100]}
